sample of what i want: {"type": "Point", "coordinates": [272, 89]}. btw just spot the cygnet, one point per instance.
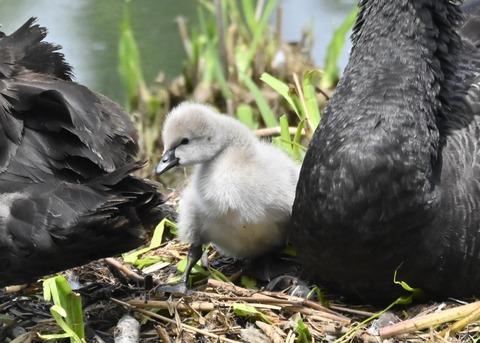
{"type": "Point", "coordinates": [241, 191]}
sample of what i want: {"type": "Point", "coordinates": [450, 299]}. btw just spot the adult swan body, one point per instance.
{"type": "Point", "coordinates": [391, 180]}
{"type": "Point", "coordinates": [66, 155]}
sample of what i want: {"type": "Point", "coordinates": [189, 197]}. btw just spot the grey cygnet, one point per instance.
{"type": "Point", "coordinates": [242, 189]}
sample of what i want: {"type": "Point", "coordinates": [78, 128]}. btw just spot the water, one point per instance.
{"type": "Point", "coordinates": [88, 30]}
{"type": "Point", "coordinates": [323, 16]}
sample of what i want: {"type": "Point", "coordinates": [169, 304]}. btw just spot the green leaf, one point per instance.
{"type": "Point", "coordinates": [58, 313]}
{"type": "Point", "coordinates": [248, 282]}
{"type": "Point", "coordinates": [289, 250]}
{"type": "Point", "coordinates": [311, 103]}
{"type": "Point", "coordinates": [267, 114]}
{"type": "Point", "coordinates": [67, 308]}
{"type": "Point", "coordinates": [246, 117]}
{"type": "Point", "coordinates": [304, 335]}
{"type": "Point", "coordinates": [244, 310]}
{"type": "Point", "coordinates": [129, 61]}
{"type": "Point", "coordinates": [258, 29]}
{"type": "Point", "coordinates": [249, 12]}
{"type": "Point", "coordinates": [147, 261]}
{"type": "Point", "coordinates": [197, 268]}
{"type": "Point", "coordinates": [284, 141]}
{"type": "Point", "coordinates": [334, 51]}
{"type": "Point", "coordinates": [283, 89]}
{"type": "Point", "coordinates": [407, 299]}
{"type": "Point", "coordinates": [217, 275]}
{"type": "Point", "coordinates": [158, 233]}
{"type": "Point", "coordinates": [132, 258]}
{"type": "Point", "coordinates": [298, 149]}
{"type": "Point", "coordinates": [319, 294]}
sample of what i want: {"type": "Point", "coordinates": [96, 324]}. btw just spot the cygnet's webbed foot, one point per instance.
{"type": "Point", "coordinates": [181, 287]}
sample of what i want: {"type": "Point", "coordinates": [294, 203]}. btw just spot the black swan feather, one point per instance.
{"type": "Point", "coordinates": [67, 154]}
{"type": "Point", "coordinates": [391, 178]}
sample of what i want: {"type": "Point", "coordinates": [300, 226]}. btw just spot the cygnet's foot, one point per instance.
{"type": "Point", "coordinates": [179, 288]}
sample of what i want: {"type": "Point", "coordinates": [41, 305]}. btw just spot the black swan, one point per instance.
{"type": "Point", "coordinates": [241, 192]}
{"type": "Point", "coordinates": [67, 195]}
{"type": "Point", "coordinates": [390, 181]}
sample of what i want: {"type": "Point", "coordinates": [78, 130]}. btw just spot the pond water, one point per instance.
{"type": "Point", "coordinates": [88, 30]}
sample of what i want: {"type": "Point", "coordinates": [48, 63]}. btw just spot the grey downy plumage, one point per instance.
{"type": "Point", "coordinates": [240, 194]}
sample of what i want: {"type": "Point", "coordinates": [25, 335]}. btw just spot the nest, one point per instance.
{"type": "Point", "coordinates": [221, 311]}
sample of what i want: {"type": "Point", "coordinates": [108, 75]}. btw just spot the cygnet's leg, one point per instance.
{"type": "Point", "coordinates": [181, 287]}
{"type": "Point", "coordinates": [194, 254]}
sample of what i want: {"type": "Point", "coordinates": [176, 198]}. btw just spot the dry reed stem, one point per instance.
{"type": "Point", "coordinates": [182, 28]}
{"type": "Point", "coordinates": [428, 320]}
{"type": "Point", "coordinates": [275, 131]}
{"type": "Point", "coordinates": [308, 127]}
{"type": "Point", "coordinates": [178, 323]}
{"type": "Point", "coordinates": [270, 332]}
{"type": "Point", "coordinates": [219, 297]}
{"type": "Point", "coordinates": [202, 306]}
{"type": "Point", "coordinates": [294, 304]}
{"type": "Point", "coordinates": [162, 334]}
{"type": "Point", "coordinates": [357, 312]}
{"type": "Point", "coordinates": [456, 327]}
{"type": "Point", "coordinates": [125, 269]}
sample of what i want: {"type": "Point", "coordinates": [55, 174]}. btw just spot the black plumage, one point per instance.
{"type": "Point", "coordinates": [391, 178]}
{"type": "Point", "coordinates": [67, 193]}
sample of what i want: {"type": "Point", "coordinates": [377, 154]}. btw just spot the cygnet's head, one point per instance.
{"type": "Point", "coordinates": [192, 133]}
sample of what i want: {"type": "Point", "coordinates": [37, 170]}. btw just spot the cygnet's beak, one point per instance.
{"type": "Point", "coordinates": [168, 161]}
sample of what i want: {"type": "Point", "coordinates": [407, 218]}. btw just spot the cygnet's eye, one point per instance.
{"type": "Point", "coordinates": [184, 141]}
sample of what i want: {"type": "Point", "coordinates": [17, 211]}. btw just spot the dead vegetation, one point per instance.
{"type": "Point", "coordinates": [220, 311]}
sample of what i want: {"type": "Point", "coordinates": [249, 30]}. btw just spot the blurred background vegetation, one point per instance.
{"type": "Point", "coordinates": [270, 63]}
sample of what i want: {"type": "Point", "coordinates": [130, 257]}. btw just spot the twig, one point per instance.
{"type": "Point", "coordinates": [454, 328]}
{"type": "Point", "coordinates": [308, 127]}
{"type": "Point", "coordinates": [352, 311]}
{"type": "Point", "coordinates": [265, 300]}
{"type": "Point", "coordinates": [162, 334]}
{"type": "Point", "coordinates": [125, 269]}
{"type": "Point", "coordinates": [323, 315]}
{"type": "Point", "coordinates": [14, 288]}
{"type": "Point", "coordinates": [428, 320]}
{"type": "Point", "coordinates": [274, 131]}
{"type": "Point", "coordinates": [182, 28]}
{"type": "Point", "coordinates": [278, 25]}
{"type": "Point", "coordinates": [202, 306]}
{"type": "Point", "coordinates": [290, 337]}
{"type": "Point", "coordinates": [185, 326]}
{"type": "Point", "coordinates": [269, 331]}
{"type": "Point", "coordinates": [179, 324]}
{"type": "Point", "coordinates": [305, 302]}
{"type": "Point", "coordinates": [321, 91]}
{"type": "Point", "coordinates": [295, 304]}
{"type": "Point", "coordinates": [335, 329]}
